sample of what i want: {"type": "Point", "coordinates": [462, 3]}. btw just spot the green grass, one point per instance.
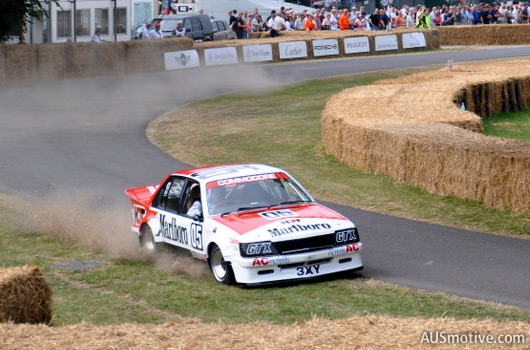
{"type": "Point", "coordinates": [126, 291]}
{"type": "Point", "coordinates": [72, 305]}
{"type": "Point", "coordinates": [513, 125]}
{"type": "Point", "coordinates": [283, 128]}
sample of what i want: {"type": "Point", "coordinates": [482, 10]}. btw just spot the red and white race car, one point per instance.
{"type": "Point", "coordinates": [253, 223]}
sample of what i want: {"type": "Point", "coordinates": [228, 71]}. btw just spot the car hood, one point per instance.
{"type": "Point", "coordinates": [280, 223]}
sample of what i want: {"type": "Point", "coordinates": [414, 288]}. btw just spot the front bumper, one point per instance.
{"type": "Point", "coordinates": [297, 266]}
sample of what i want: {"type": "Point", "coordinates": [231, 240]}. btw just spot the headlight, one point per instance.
{"type": "Point", "coordinates": [346, 236]}
{"type": "Point", "coordinates": [257, 248]}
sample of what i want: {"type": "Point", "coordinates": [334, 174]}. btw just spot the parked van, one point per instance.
{"type": "Point", "coordinates": [198, 27]}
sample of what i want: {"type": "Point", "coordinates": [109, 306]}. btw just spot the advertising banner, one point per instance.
{"type": "Point", "coordinates": [181, 59]}
{"type": "Point", "coordinates": [386, 42]}
{"type": "Point", "coordinates": [257, 53]}
{"type": "Point", "coordinates": [327, 47]}
{"type": "Point", "coordinates": [220, 56]}
{"type": "Point", "coordinates": [413, 40]}
{"type": "Point", "coordinates": [293, 49]}
{"type": "Point", "coordinates": [356, 45]}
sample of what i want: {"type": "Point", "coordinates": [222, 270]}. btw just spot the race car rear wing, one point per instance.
{"type": "Point", "coordinates": [141, 195]}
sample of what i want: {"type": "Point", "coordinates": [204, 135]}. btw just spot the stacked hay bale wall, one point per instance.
{"type": "Point", "coordinates": [497, 34]}
{"type": "Point", "coordinates": [27, 63]}
{"type": "Point", "coordinates": [25, 296]}
{"type": "Point", "coordinates": [412, 130]}
{"type": "Point", "coordinates": [487, 99]}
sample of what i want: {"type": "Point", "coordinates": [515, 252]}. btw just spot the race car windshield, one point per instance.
{"type": "Point", "coordinates": [253, 192]}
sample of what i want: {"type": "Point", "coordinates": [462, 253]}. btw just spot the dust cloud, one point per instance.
{"type": "Point", "coordinates": [89, 134]}
{"type": "Point", "coordinates": [75, 218]}
{"type": "Point", "coordinates": [170, 263]}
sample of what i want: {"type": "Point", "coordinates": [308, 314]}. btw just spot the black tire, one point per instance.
{"type": "Point", "coordinates": [147, 240]}
{"type": "Point", "coordinates": [221, 270]}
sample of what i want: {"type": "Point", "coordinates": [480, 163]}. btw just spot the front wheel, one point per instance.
{"type": "Point", "coordinates": [221, 270]}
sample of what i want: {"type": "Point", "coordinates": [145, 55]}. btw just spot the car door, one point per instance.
{"type": "Point", "coordinates": [179, 211]}
{"type": "Point", "coordinates": [187, 25]}
{"type": "Point", "coordinates": [222, 31]}
{"type": "Point", "coordinates": [191, 217]}
{"type": "Point", "coordinates": [216, 35]}
{"type": "Point", "coordinates": [168, 206]}
{"type": "Point", "coordinates": [196, 28]}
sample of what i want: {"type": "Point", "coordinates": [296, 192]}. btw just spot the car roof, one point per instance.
{"type": "Point", "coordinates": [228, 171]}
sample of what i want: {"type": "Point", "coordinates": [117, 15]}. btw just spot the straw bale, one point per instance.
{"type": "Point", "coordinates": [107, 60]}
{"type": "Point", "coordinates": [25, 63]}
{"type": "Point", "coordinates": [360, 332]}
{"type": "Point", "coordinates": [144, 56]}
{"type": "Point", "coordinates": [20, 62]}
{"type": "Point", "coordinates": [3, 63]}
{"type": "Point", "coordinates": [499, 34]}
{"type": "Point", "coordinates": [78, 59]}
{"type": "Point", "coordinates": [411, 129]}
{"type": "Point", "coordinates": [88, 59]}
{"type": "Point", "coordinates": [25, 296]}
{"type": "Point", "coordinates": [51, 60]}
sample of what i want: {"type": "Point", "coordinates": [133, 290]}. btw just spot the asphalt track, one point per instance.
{"type": "Point", "coordinates": [87, 136]}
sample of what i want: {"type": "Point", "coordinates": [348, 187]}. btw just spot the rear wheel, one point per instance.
{"type": "Point", "coordinates": [147, 240]}
{"type": "Point", "coordinates": [221, 270]}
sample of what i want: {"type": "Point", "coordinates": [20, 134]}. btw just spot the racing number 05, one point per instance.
{"type": "Point", "coordinates": [196, 236]}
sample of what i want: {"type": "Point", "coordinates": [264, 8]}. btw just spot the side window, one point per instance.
{"type": "Point", "coordinates": [216, 26]}
{"type": "Point", "coordinates": [187, 25]}
{"type": "Point", "coordinates": [192, 204]}
{"type": "Point", "coordinates": [196, 24]}
{"type": "Point", "coordinates": [222, 26]}
{"type": "Point", "coordinates": [170, 194]}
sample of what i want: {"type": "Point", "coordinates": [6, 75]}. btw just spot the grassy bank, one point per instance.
{"type": "Point", "coordinates": [512, 125]}
{"type": "Point", "coordinates": [283, 128]}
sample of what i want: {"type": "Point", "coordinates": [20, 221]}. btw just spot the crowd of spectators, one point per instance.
{"type": "Point", "coordinates": [328, 17]}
